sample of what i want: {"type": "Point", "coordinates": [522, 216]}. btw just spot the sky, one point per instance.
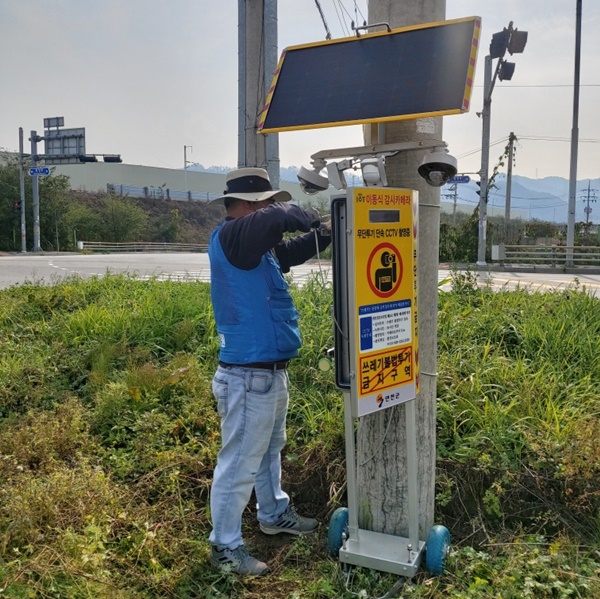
{"type": "Point", "coordinates": [148, 77]}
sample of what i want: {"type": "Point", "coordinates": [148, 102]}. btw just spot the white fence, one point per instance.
{"type": "Point", "coordinates": [161, 193]}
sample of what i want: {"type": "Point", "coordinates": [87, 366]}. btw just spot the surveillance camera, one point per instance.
{"type": "Point", "coordinates": [437, 167]}
{"type": "Point", "coordinates": [311, 182]}
{"type": "Point", "coordinates": [373, 171]}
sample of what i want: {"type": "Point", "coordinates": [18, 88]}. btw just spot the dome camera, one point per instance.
{"type": "Point", "coordinates": [311, 182]}
{"type": "Point", "coordinates": [437, 167]}
{"type": "Point", "coordinates": [373, 171]}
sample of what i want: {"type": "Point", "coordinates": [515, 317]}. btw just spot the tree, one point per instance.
{"type": "Point", "coordinates": [82, 223]}
{"type": "Point", "coordinates": [123, 221]}
{"type": "Point", "coordinates": [10, 219]}
{"type": "Point", "coordinates": [54, 203]}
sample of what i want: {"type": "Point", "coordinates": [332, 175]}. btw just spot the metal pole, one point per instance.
{"type": "Point", "coordinates": [485, 160]}
{"type": "Point", "coordinates": [511, 142]}
{"type": "Point", "coordinates": [242, 83]}
{"type": "Point", "coordinates": [22, 192]}
{"type": "Point", "coordinates": [574, 143]}
{"type": "Point", "coordinates": [185, 167]}
{"type": "Point", "coordinates": [185, 163]}
{"type": "Point", "coordinates": [36, 194]}
{"type": "Point", "coordinates": [455, 200]}
{"type": "Point", "coordinates": [270, 59]}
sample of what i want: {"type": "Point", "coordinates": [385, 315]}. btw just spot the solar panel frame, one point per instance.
{"type": "Point", "coordinates": [411, 72]}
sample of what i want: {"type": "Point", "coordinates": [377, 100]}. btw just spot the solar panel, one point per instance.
{"type": "Point", "coordinates": [412, 72]}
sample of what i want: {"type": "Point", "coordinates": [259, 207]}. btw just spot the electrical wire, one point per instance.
{"type": "Point", "coordinates": [541, 138]}
{"type": "Point", "coordinates": [474, 151]}
{"type": "Point", "coordinates": [327, 32]}
{"type": "Point", "coordinates": [341, 19]}
{"type": "Point", "coordinates": [547, 85]}
{"type": "Point", "coordinates": [324, 281]}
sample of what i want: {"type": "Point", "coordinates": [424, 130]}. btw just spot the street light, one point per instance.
{"type": "Point", "coordinates": [512, 41]}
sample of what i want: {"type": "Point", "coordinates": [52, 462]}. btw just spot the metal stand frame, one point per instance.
{"type": "Point", "coordinates": [388, 553]}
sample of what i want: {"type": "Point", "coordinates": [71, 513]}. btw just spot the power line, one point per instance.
{"type": "Point", "coordinates": [542, 138]}
{"type": "Point", "coordinates": [357, 11]}
{"type": "Point", "coordinates": [548, 85]}
{"type": "Point", "coordinates": [470, 152]}
{"type": "Point", "coordinates": [528, 138]}
{"type": "Point", "coordinates": [340, 18]}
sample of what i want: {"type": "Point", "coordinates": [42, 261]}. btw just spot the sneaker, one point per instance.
{"type": "Point", "coordinates": [291, 523]}
{"type": "Point", "coordinates": [237, 560]}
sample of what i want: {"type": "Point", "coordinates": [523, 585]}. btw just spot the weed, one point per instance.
{"type": "Point", "coordinates": [109, 435]}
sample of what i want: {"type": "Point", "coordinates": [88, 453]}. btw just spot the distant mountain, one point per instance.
{"type": "Point", "coordinates": [196, 166]}
{"type": "Point", "coordinates": [541, 199]}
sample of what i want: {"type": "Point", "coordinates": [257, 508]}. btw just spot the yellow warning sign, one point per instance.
{"type": "Point", "coordinates": [386, 370]}
{"type": "Point", "coordinates": [385, 275]}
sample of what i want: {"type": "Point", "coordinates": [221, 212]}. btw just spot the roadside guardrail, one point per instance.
{"type": "Point", "coordinates": [139, 246]}
{"type": "Point", "coordinates": [549, 255]}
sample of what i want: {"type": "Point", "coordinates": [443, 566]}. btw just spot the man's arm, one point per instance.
{"type": "Point", "coordinates": [298, 250]}
{"type": "Point", "coordinates": [246, 239]}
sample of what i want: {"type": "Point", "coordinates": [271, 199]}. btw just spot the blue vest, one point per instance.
{"type": "Point", "coordinates": [254, 312]}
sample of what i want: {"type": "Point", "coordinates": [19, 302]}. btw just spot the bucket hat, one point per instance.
{"type": "Point", "coordinates": [252, 185]}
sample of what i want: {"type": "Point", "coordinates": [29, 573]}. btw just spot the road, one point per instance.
{"type": "Point", "coordinates": [48, 268]}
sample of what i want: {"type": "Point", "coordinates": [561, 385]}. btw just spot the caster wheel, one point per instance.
{"type": "Point", "coordinates": [438, 546]}
{"type": "Point", "coordinates": [337, 526]}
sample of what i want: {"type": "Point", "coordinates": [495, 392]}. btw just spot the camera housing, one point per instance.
{"type": "Point", "coordinates": [311, 182]}
{"type": "Point", "coordinates": [437, 167]}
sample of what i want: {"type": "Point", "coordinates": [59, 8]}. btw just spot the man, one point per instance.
{"type": "Point", "coordinates": [257, 324]}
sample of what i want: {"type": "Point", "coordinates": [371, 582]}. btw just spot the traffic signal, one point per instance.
{"type": "Point", "coordinates": [112, 158]}
{"type": "Point", "coordinates": [17, 205]}
{"type": "Point", "coordinates": [87, 158]}
{"type": "Point", "coordinates": [507, 70]}
{"type": "Point", "coordinates": [518, 41]}
{"type": "Point", "coordinates": [499, 43]}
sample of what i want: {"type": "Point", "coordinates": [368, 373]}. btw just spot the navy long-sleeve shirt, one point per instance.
{"type": "Point", "coordinates": [246, 239]}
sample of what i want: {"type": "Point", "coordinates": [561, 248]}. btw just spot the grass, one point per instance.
{"type": "Point", "coordinates": [109, 436]}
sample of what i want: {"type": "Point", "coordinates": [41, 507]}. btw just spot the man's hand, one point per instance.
{"type": "Point", "coordinates": [314, 216]}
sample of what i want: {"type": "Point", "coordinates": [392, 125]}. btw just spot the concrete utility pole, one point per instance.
{"type": "Point", "coordinates": [382, 465]}
{"type": "Point", "coordinates": [511, 145]}
{"type": "Point", "coordinates": [257, 60]}
{"type": "Point", "coordinates": [574, 141]}
{"type": "Point", "coordinates": [453, 195]}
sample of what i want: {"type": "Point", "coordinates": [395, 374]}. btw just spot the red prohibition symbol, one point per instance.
{"type": "Point", "coordinates": [387, 275]}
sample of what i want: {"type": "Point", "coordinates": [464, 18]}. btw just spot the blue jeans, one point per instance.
{"type": "Point", "coordinates": [253, 406]}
